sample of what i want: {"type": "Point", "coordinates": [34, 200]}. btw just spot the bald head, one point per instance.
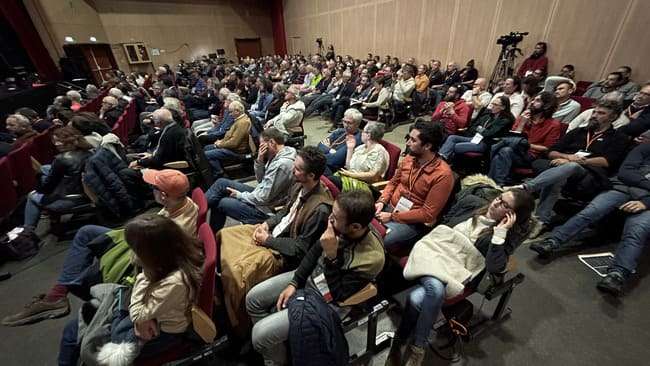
{"type": "Point", "coordinates": [109, 102]}
{"type": "Point", "coordinates": [162, 117]}
{"type": "Point", "coordinates": [481, 83]}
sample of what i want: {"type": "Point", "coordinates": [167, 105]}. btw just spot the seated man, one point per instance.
{"type": "Point", "coordinates": [21, 128]}
{"type": "Point", "coordinates": [478, 97]}
{"type": "Point", "coordinates": [638, 113]}
{"type": "Point", "coordinates": [264, 98]}
{"type": "Point", "coordinates": [582, 119]}
{"type": "Point", "coordinates": [235, 144]}
{"type": "Point", "coordinates": [567, 108]}
{"type": "Point", "coordinates": [630, 193]}
{"type": "Point", "coordinates": [334, 146]}
{"type": "Point", "coordinates": [319, 90]}
{"type": "Point", "coordinates": [582, 160]}
{"type": "Point", "coordinates": [110, 111]}
{"type": "Point", "coordinates": [512, 89]}
{"type": "Point", "coordinates": [251, 254]}
{"type": "Point", "coordinates": [536, 61]}
{"type": "Point", "coordinates": [252, 205]}
{"type": "Point", "coordinates": [418, 191]}
{"type": "Point", "coordinates": [628, 87]}
{"type": "Point", "coordinates": [340, 105]}
{"type": "Point", "coordinates": [452, 112]}
{"type": "Point", "coordinates": [291, 112]}
{"type": "Point", "coordinates": [171, 143]}
{"type": "Point", "coordinates": [348, 256]}
{"type": "Point", "coordinates": [403, 88]}
{"type": "Point", "coordinates": [81, 270]}
{"type": "Point", "coordinates": [613, 82]}
{"type": "Point", "coordinates": [538, 130]}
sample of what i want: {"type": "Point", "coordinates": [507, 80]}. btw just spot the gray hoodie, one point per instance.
{"type": "Point", "coordinates": [274, 180]}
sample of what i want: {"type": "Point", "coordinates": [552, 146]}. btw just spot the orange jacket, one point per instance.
{"type": "Point", "coordinates": [430, 188]}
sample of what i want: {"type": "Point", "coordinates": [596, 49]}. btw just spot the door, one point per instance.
{"type": "Point", "coordinates": [251, 47]}
{"type": "Point", "coordinates": [93, 60]}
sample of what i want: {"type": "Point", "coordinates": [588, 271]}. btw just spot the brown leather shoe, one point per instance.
{"type": "Point", "coordinates": [37, 310]}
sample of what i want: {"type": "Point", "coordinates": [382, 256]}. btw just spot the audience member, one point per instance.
{"type": "Point", "coordinates": [419, 190]}
{"type": "Point", "coordinates": [235, 144]}
{"type": "Point", "coordinates": [452, 112]}
{"type": "Point", "coordinates": [630, 193]}
{"type": "Point", "coordinates": [492, 122]}
{"type": "Point", "coordinates": [171, 143]}
{"type": "Point", "coordinates": [582, 119]}
{"type": "Point", "coordinates": [568, 71]}
{"type": "Point", "coordinates": [291, 113]}
{"type": "Point", "coordinates": [348, 256]}
{"type": "Point", "coordinates": [21, 129]}
{"type": "Point", "coordinates": [581, 161]}
{"type": "Point", "coordinates": [627, 87]}
{"type": "Point", "coordinates": [38, 124]}
{"type": "Point", "coordinates": [512, 89]}
{"type": "Point", "coordinates": [613, 82]}
{"type": "Point", "coordinates": [478, 96]}
{"type": "Point", "coordinates": [482, 245]}
{"type": "Point", "coordinates": [110, 111]}
{"type": "Point", "coordinates": [567, 108]}
{"type": "Point", "coordinates": [249, 204]}
{"type": "Point", "coordinates": [536, 61]}
{"type": "Point", "coordinates": [539, 131]}
{"type": "Point", "coordinates": [334, 146]}
{"type": "Point", "coordinates": [379, 98]}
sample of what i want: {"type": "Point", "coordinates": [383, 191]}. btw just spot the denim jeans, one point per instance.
{"type": "Point", "coordinates": [33, 207]}
{"type": "Point", "coordinates": [223, 205]}
{"type": "Point", "coordinates": [423, 304]}
{"type": "Point", "coordinates": [399, 235]}
{"type": "Point", "coordinates": [459, 145]}
{"type": "Point", "coordinates": [270, 327]}
{"type": "Point", "coordinates": [635, 231]}
{"type": "Point", "coordinates": [215, 155]}
{"type": "Point", "coordinates": [77, 265]}
{"type": "Point", "coordinates": [549, 184]}
{"type": "Point", "coordinates": [502, 162]}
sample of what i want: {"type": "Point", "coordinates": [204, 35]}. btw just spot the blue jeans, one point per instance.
{"type": "Point", "coordinates": [215, 155]}
{"type": "Point", "coordinates": [635, 231]}
{"type": "Point", "coordinates": [223, 205]}
{"type": "Point", "coordinates": [77, 265]}
{"type": "Point", "coordinates": [402, 235]}
{"type": "Point", "coordinates": [459, 145]}
{"type": "Point", "coordinates": [423, 304]}
{"type": "Point", "coordinates": [34, 204]}
{"type": "Point", "coordinates": [502, 162]}
{"type": "Point", "coordinates": [549, 183]}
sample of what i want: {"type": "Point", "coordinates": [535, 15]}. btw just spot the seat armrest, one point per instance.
{"type": "Point", "coordinates": [507, 285]}
{"type": "Point", "coordinates": [361, 296]}
{"type": "Point", "coordinates": [181, 164]}
{"type": "Point", "coordinates": [381, 184]}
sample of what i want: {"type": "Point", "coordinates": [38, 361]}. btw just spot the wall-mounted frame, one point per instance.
{"type": "Point", "coordinates": [136, 53]}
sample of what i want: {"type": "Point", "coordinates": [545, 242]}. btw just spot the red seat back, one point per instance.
{"type": "Point", "coordinates": [210, 250]}
{"type": "Point", "coordinates": [202, 202]}
{"type": "Point", "coordinates": [20, 163]}
{"type": "Point", "coordinates": [42, 148]}
{"type": "Point", "coordinates": [581, 87]}
{"type": "Point", "coordinates": [394, 153]}
{"type": "Point", "coordinates": [8, 193]}
{"type": "Point", "coordinates": [331, 186]}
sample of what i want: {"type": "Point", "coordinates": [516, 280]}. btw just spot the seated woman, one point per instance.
{"type": "Point", "coordinates": [378, 99]}
{"type": "Point", "coordinates": [90, 126]}
{"type": "Point", "coordinates": [364, 164]}
{"type": "Point", "coordinates": [158, 313]}
{"type": "Point", "coordinates": [485, 241]}
{"type": "Point", "coordinates": [63, 178]}
{"type": "Point", "coordinates": [492, 122]}
{"type": "Point", "coordinates": [264, 98]}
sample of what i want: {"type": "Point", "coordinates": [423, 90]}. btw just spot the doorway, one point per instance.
{"type": "Point", "coordinates": [248, 47]}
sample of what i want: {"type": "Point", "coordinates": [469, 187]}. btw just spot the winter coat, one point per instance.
{"type": "Point", "coordinates": [316, 336]}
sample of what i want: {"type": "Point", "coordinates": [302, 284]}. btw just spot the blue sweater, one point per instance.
{"type": "Point", "coordinates": [336, 158]}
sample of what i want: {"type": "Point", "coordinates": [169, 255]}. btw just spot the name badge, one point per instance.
{"type": "Point", "coordinates": [647, 176]}
{"type": "Point", "coordinates": [323, 288]}
{"type": "Point", "coordinates": [404, 204]}
{"type": "Point", "coordinates": [332, 151]}
{"type": "Point", "coordinates": [582, 154]}
{"type": "Point", "coordinates": [477, 139]}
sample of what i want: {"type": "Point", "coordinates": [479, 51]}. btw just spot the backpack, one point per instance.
{"type": "Point", "coordinates": [196, 159]}
{"type": "Point", "coordinates": [19, 243]}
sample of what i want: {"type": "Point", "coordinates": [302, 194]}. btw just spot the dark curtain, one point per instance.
{"type": "Point", "coordinates": [277, 23]}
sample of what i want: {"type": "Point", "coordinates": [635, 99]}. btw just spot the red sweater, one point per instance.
{"type": "Point", "coordinates": [546, 133]}
{"type": "Point", "coordinates": [532, 64]}
{"type": "Point", "coordinates": [455, 121]}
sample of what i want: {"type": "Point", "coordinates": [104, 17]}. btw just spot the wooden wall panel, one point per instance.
{"type": "Point", "coordinates": [594, 35]}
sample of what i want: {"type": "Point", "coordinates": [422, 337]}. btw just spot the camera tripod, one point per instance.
{"type": "Point", "coordinates": [505, 65]}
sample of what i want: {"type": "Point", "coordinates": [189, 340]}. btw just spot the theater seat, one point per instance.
{"type": "Point", "coordinates": [201, 201]}
{"type": "Point", "coordinates": [9, 199]}
{"type": "Point", "coordinates": [20, 162]}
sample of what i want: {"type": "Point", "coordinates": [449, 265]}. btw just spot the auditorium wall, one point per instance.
{"type": "Point", "coordinates": [181, 29]}
{"type": "Point", "coordinates": [594, 35]}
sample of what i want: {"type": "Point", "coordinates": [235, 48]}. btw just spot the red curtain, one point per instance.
{"type": "Point", "coordinates": [277, 22]}
{"type": "Point", "coordinates": [16, 15]}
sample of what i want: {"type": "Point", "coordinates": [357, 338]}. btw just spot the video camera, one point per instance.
{"type": "Point", "coordinates": [511, 39]}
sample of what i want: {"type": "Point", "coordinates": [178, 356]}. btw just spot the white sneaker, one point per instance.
{"type": "Point", "coordinates": [537, 228]}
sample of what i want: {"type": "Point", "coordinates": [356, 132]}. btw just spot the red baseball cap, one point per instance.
{"type": "Point", "coordinates": [170, 181]}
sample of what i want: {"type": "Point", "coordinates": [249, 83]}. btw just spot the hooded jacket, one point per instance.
{"type": "Point", "coordinates": [273, 178]}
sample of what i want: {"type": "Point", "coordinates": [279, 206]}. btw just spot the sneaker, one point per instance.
{"type": "Point", "coordinates": [39, 309]}
{"type": "Point", "coordinates": [545, 248]}
{"type": "Point", "coordinates": [537, 229]}
{"type": "Point", "coordinates": [612, 284]}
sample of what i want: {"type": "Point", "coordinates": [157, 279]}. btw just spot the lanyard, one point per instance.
{"type": "Point", "coordinates": [417, 174]}
{"type": "Point", "coordinates": [590, 140]}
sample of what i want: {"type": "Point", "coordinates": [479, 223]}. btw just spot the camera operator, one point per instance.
{"type": "Point", "coordinates": [536, 61]}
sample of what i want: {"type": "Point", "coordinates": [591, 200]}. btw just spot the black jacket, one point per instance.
{"type": "Point", "coordinates": [632, 176]}
{"type": "Point", "coordinates": [65, 176]}
{"type": "Point", "coordinates": [171, 147]}
{"type": "Point", "coordinates": [111, 116]}
{"type": "Point", "coordinates": [111, 180]}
